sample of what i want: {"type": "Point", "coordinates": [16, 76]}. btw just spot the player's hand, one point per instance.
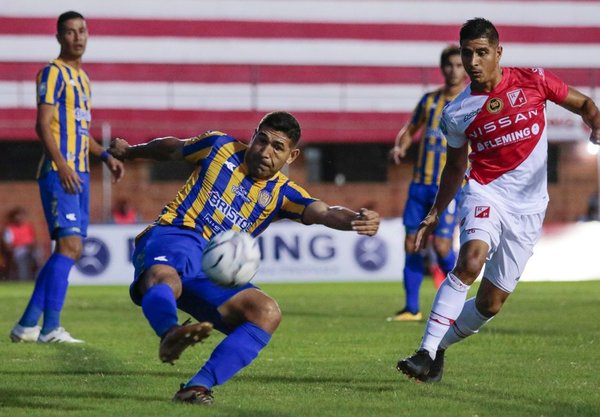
{"type": "Point", "coordinates": [366, 222]}
{"type": "Point", "coordinates": [69, 179]}
{"type": "Point", "coordinates": [425, 229]}
{"type": "Point", "coordinates": [118, 148]}
{"type": "Point", "coordinates": [397, 154]}
{"type": "Point", "coordinates": [116, 167]}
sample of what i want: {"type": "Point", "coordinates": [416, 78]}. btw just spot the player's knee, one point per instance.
{"type": "Point", "coordinates": [252, 306]}
{"type": "Point", "coordinates": [409, 244]}
{"type": "Point", "coordinates": [274, 313]}
{"type": "Point", "coordinates": [268, 314]}
{"type": "Point", "coordinates": [161, 274]}
{"type": "Point", "coordinates": [70, 246]}
{"type": "Point", "coordinates": [265, 313]}
{"type": "Point", "coordinates": [471, 258]}
{"type": "Point", "coordinates": [468, 268]}
{"type": "Point", "coordinates": [441, 248]}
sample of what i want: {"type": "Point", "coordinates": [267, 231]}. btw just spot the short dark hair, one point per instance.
{"type": "Point", "coordinates": [284, 122]}
{"type": "Point", "coordinates": [479, 28]}
{"type": "Point", "coordinates": [448, 51]}
{"type": "Point", "coordinates": [60, 23]}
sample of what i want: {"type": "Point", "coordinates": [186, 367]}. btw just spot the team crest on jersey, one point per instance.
{"type": "Point", "coordinates": [264, 198]}
{"type": "Point", "coordinates": [517, 97]}
{"type": "Point", "coordinates": [495, 105]}
{"type": "Point", "coordinates": [482, 212]}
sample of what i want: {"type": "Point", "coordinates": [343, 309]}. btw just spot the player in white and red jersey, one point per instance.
{"type": "Point", "coordinates": [501, 116]}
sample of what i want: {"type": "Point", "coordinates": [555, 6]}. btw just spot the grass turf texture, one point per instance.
{"type": "Point", "coordinates": [333, 355]}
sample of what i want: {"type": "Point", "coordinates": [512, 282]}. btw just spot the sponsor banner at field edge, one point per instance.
{"type": "Point", "coordinates": [291, 252]}
{"type": "Point", "coordinates": [296, 253]}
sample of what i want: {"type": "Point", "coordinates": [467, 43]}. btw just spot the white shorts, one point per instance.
{"type": "Point", "coordinates": [510, 236]}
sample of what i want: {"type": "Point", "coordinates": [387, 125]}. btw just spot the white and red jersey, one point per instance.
{"type": "Point", "coordinates": [506, 130]}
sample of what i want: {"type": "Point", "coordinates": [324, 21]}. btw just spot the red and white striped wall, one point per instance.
{"type": "Point", "coordinates": [351, 71]}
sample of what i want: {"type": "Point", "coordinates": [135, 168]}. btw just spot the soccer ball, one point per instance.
{"type": "Point", "coordinates": [230, 259]}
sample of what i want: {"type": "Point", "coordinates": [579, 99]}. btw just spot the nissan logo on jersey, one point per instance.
{"type": "Point", "coordinates": [503, 122]}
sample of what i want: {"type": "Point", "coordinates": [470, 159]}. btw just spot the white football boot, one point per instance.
{"type": "Point", "coordinates": [58, 335]}
{"type": "Point", "coordinates": [24, 334]}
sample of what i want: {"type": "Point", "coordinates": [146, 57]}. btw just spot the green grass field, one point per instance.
{"type": "Point", "coordinates": [334, 355]}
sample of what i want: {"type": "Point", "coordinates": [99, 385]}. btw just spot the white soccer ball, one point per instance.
{"type": "Point", "coordinates": [231, 258]}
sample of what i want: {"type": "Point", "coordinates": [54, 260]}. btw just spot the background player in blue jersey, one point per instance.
{"type": "Point", "coordinates": [63, 126]}
{"type": "Point", "coordinates": [234, 186]}
{"type": "Point", "coordinates": [426, 178]}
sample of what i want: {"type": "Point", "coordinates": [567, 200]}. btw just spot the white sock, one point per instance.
{"type": "Point", "coordinates": [448, 303]}
{"type": "Point", "coordinates": [468, 323]}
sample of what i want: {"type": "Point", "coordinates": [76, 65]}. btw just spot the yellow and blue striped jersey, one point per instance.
{"type": "Point", "coordinates": [68, 90]}
{"type": "Point", "coordinates": [432, 146]}
{"type": "Point", "coordinates": [220, 195]}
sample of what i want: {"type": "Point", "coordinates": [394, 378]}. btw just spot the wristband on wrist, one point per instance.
{"type": "Point", "coordinates": [104, 155]}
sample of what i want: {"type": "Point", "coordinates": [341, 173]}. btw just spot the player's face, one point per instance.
{"type": "Point", "coordinates": [482, 62]}
{"type": "Point", "coordinates": [73, 38]}
{"type": "Point", "coordinates": [454, 71]}
{"type": "Point", "coordinates": [268, 152]}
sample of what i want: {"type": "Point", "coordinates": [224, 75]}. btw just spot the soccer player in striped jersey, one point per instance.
{"type": "Point", "coordinates": [499, 124]}
{"type": "Point", "coordinates": [234, 186]}
{"type": "Point", "coordinates": [63, 127]}
{"type": "Point", "coordinates": [425, 182]}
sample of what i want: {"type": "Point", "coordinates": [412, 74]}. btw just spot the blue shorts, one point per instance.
{"type": "Point", "coordinates": [66, 214]}
{"type": "Point", "coordinates": [182, 249]}
{"type": "Point", "coordinates": [420, 200]}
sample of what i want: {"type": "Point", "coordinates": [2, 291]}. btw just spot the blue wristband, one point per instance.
{"type": "Point", "coordinates": [104, 155]}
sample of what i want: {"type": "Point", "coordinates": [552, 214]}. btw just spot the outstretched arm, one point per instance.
{"type": "Point", "coordinates": [363, 222]}
{"type": "Point", "coordinates": [450, 181]}
{"type": "Point", "coordinates": [581, 104]}
{"type": "Point", "coordinates": [160, 149]}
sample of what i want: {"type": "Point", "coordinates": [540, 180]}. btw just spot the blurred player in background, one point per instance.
{"type": "Point", "coordinates": [20, 243]}
{"type": "Point", "coordinates": [123, 212]}
{"type": "Point", "coordinates": [425, 182]}
{"type": "Point", "coordinates": [502, 116]}
{"type": "Point", "coordinates": [234, 186]}
{"type": "Point", "coordinates": [63, 127]}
